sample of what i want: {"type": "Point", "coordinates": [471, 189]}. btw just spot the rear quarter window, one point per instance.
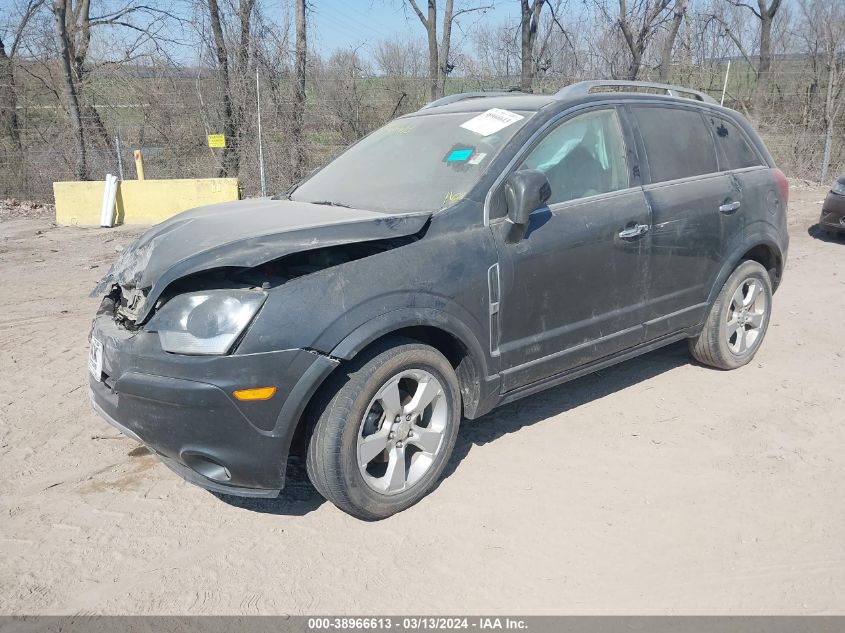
{"type": "Point", "coordinates": [677, 142]}
{"type": "Point", "coordinates": [733, 148]}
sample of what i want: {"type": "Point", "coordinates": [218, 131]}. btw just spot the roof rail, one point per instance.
{"type": "Point", "coordinates": [461, 96]}
{"type": "Point", "coordinates": [586, 87]}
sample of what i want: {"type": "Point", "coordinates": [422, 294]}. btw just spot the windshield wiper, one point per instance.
{"type": "Point", "coordinates": [286, 194]}
{"type": "Point", "coordinates": [329, 203]}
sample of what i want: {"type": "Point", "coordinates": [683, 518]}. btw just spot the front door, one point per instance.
{"type": "Point", "coordinates": [571, 290]}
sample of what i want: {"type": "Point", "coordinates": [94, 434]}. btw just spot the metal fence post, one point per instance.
{"type": "Point", "coordinates": [828, 142]}
{"type": "Point", "coordinates": [260, 144]}
{"type": "Point", "coordinates": [119, 157]}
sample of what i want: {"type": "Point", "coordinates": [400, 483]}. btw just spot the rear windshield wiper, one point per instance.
{"type": "Point", "coordinates": [329, 203]}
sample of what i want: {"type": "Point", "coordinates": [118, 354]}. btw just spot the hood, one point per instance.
{"type": "Point", "coordinates": [243, 233]}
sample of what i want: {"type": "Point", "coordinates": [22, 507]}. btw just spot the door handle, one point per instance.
{"type": "Point", "coordinates": [633, 231]}
{"type": "Point", "coordinates": [729, 207]}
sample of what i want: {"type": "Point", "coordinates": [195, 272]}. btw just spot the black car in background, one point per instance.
{"type": "Point", "coordinates": [832, 219]}
{"type": "Point", "coordinates": [475, 252]}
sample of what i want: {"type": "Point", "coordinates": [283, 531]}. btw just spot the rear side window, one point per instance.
{"type": "Point", "coordinates": [677, 142]}
{"type": "Point", "coordinates": [734, 150]}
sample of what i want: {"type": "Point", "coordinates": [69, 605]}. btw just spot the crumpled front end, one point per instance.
{"type": "Point", "coordinates": [182, 403]}
{"type": "Point", "coordinates": [183, 407]}
{"type": "Point", "coordinates": [237, 236]}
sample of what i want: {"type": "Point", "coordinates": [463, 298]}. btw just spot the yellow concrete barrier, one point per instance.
{"type": "Point", "coordinates": [139, 201]}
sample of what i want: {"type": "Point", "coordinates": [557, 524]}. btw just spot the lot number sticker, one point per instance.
{"type": "Point", "coordinates": [492, 121]}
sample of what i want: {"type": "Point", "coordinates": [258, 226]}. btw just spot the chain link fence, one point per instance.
{"type": "Point", "coordinates": [168, 116]}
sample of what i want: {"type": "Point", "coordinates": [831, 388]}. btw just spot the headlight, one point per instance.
{"type": "Point", "coordinates": [838, 187]}
{"type": "Point", "coordinates": [205, 322]}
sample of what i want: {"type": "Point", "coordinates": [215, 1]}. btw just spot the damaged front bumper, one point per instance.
{"type": "Point", "coordinates": [183, 409]}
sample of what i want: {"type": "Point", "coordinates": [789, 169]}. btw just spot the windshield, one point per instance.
{"type": "Point", "coordinates": [420, 163]}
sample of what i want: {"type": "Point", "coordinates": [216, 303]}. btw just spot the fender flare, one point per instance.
{"type": "Point", "coordinates": [388, 322]}
{"type": "Point", "coordinates": [749, 241]}
{"type": "Point", "coordinates": [478, 394]}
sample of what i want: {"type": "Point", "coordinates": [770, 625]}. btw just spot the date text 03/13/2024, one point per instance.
{"type": "Point", "coordinates": [416, 623]}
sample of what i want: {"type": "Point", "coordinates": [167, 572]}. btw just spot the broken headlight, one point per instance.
{"type": "Point", "coordinates": [205, 322]}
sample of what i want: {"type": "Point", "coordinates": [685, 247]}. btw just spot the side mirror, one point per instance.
{"type": "Point", "coordinates": [526, 191]}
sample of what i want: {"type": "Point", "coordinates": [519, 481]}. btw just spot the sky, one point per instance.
{"type": "Point", "coordinates": [347, 23]}
{"type": "Point", "coordinates": [335, 24]}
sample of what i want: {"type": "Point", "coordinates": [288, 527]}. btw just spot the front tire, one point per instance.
{"type": "Point", "coordinates": [738, 319]}
{"type": "Point", "coordinates": [384, 429]}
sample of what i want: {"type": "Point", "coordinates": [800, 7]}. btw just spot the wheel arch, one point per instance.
{"type": "Point", "coordinates": [448, 335]}
{"type": "Point", "coordinates": [769, 257]}
{"type": "Point", "coordinates": [761, 248]}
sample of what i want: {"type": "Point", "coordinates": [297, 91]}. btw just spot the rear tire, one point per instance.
{"type": "Point", "coordinates": [738, 319]}
{"type": "Point", "coordinates": [383, 430]}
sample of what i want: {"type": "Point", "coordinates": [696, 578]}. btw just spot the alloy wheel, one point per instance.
{"type": "Point", "coordinates": [402, 431]}
{"type": "Point", "coordinates": [746, 316]}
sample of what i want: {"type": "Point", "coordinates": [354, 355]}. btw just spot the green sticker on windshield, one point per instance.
{"type": "Point", "coordinates": [459, 155]}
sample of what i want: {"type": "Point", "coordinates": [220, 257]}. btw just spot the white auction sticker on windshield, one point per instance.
{"type": "Point", "coordinates": [492, 121]}
{"type": "Point", "coordinates": [477, 158]}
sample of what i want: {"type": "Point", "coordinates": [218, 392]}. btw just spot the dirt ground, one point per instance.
{"type": "Point", "coordinates": [656, 487]}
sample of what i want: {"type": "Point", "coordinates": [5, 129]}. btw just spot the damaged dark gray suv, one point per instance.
{"type": "Point", "coordinates": [469, 254]}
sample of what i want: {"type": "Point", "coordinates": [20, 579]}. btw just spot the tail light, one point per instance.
{"type": "Point", "coordinates": [783, 184]}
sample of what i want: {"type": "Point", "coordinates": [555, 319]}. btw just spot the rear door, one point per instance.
{"type": "Point", "coordinates": [689, 194]}
{"type": "Point", "coordinates": [751, 174]}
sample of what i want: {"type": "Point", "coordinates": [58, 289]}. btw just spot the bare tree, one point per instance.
{"type": "Point", "coordinates": [70, 56]}
{"type": "Point", "coordinates": [678, 13]}
{"type": "Point", "coordinates": [10, 139]}
{"type": "Point", "coordinates": [399, 57]}
{"type": "Point", "coordinates": [348, 105]}
{"type": "Point", "coordinates": [536, 59]}
{"type": "Point", "coordinates": [400, 62]}
{"type": "Point", "coordinates": [232, 113]}
{"type": "Point", "coordinates": [825, 40]}
{"type": "Point", "coordinates": [438, 55]}
{"type": "Point", "coordinates": [430, 25]}
{"type": "Point", "coordinates": [530, 20]}
{"type": "Point", "coordinates": [638, 22]}
{"type": "Point", "coordinates": [74, 26]}
{"type": "Point", "coordinates": [497, 54]}
{"type": "Point", "coordinates": [9, 129]}
{"type": "Point", "coordinates": [60, 92]}
{"type": "Point", "coordinates": [765, 13]}
{"type": "Point", "coordinates": [297, 120]}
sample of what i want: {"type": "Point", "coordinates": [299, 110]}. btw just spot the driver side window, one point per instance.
{"type": "Point", "coordinates": [584, 156]}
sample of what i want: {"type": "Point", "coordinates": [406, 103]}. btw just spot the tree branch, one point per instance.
{"type": "Point", "coordinates": [418, 12]}
{"type": "Point", "coordinates": [737, 42]}
{"type": "Point", "coordinates": [31, 9]}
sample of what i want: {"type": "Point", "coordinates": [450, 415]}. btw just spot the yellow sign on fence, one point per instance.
{"type": "Point", "coordinates": [216, 140]}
